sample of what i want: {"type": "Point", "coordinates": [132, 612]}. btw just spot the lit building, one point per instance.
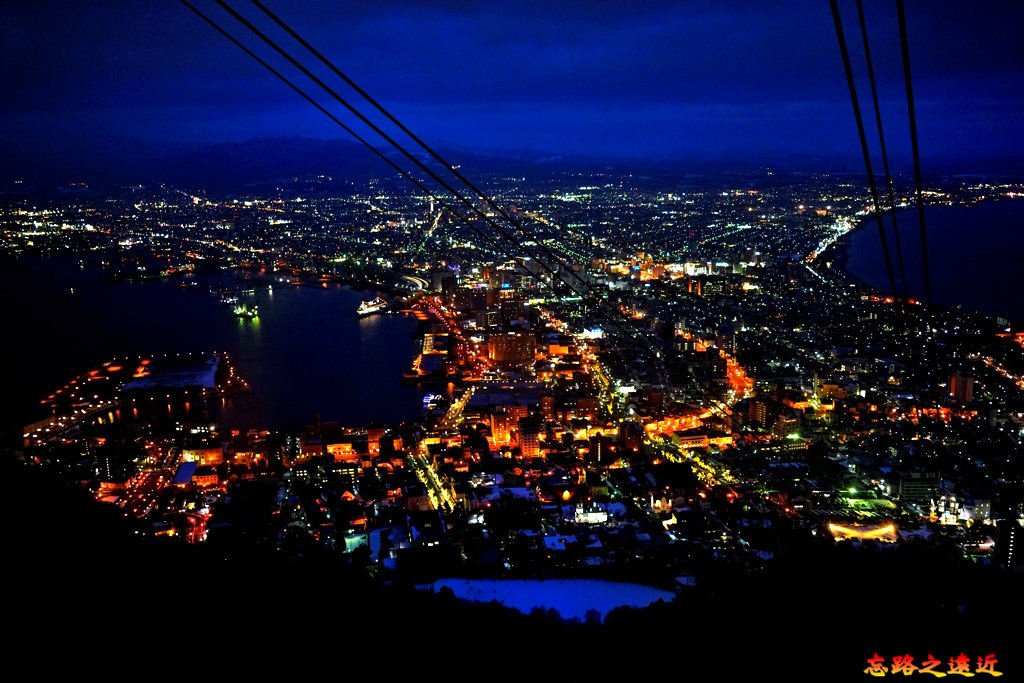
{"type": "Point", "coordinates": [505, 419]}
{"type": "Point", "coordinates": [1010, 537]}
{"type": "Point", "coordinates": [961, 387]}
{"type": "Point", "coordinates": [511, 348]}
{"type": "Point", "coordinates": [979, 509]}
{"type": "Point", "coordinates": [918, 487]}
{"type": "Point", "coordinates": [547, 406]}
{"type": "Point", "coordinates": [347, 474]}
{"type": "Point", "coordinates": [885, 532]}
{"type": "Point", "coordinates": [435, 343]}
{"type": "Point", "coordinates": [343, 451]}
{"type": "Point", "coordinates": [529, 436]}
{"type": "Point", "coordinates": [204, 456]}
{"type": "Point", "coordinates": [757, 413]}
{"type": "Point", "coordinates": [601, 449]}
{"type": "Point", "coordinates": [785, 424]}
{"type": "Point", "coordinates": [631, 435]}
{"type": "Point", "coordinates": [205, 475]}
{"type": "Point", "coordinates": [587, 407]}
{"type": "Point", "coordinates": [374, 434]}
{"type": "Point", "coordinates": [114, 467]}
{"type": "Point", "coordinates": [510, 307]}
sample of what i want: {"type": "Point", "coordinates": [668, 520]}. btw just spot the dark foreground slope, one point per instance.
{"type": "Point", "coordinates": [83, 594]}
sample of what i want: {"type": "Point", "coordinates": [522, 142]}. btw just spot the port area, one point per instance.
{"type": "Point", "coordinates": [445, 354]}
{"type": "Point", "coordinates": [148, 388]}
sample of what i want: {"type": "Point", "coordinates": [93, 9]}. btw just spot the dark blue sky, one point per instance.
{"type": "Point", "coordinates": [595, 78]}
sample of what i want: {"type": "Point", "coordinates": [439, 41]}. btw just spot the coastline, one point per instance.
{"type": "Point", "coordinates": [347, 366]}
{"type": "Point", "coordinates": [838, 253]}
{"type": "Point", "coordinates": [980, 264]}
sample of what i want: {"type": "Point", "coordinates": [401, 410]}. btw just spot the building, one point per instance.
{"type": "Point", "coordinates": [183, 475]}
{"type": "Point", "coordinates": [757, 413]}
{"type": "Point", "coordinates": [979, 509]}
{"type": "Point", "coordinates": [631, 435]}
{"type": "Point", "coordinates": [347, 474]}
{"type": "Point", "coordinates": [442, 280]}
{"type": "Point", "coordinates": [504, 419]}
{"type": "Point", "coordinates": [114, 466]}
{"type": "Point", "coordinates": [471, 300]}
{"type": "Point", "coordinates": [547, 406]}
{"type": "Point", "coordinates": [205, 475]}
{"type": "Point", "coordinates": [529, 436]}
{"type": "Point", "coordinates": [435, 343]}
{"type": "Point", "coordinates": [601, 449]}
{"type": "Point", "coordinates": [213, 455]}
{"type": "Point", "coordinates": [587, 407]}
{"type": "Point", "coordinates": [785, 424]}
{"type": "Point", "coordinates": [918, 487]}
{"type": "Point", "coordinates": [1008, 543]}
{"type": "Point", "coordinates": [511, 349]}
{"type": "Point", "coordinates": [961, 387]}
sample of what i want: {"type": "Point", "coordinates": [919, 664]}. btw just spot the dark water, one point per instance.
{"type": "Point", "coordinates": [976, 255]}
{"type": "Point", "coordinates": [307, 352]}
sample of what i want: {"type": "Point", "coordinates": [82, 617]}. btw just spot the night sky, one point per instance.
{"type": "Point", "coordinates": [595, 78]}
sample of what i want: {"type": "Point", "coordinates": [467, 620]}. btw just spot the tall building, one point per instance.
{"type": "Point", "coordinates": [504, 419]}
{"type": "Point", "coordinates": [961, 387]}
{"type": "Point", "coordinates": [708, 364]}
{"type": "Point", "coordinates": [114, 466]}
{"type": "Point", "coordinates": [510, 306]}
{"type": "Point", "coordinates": [529, 436]}
{"type": "Point", "coordinates": [347, 475]}
{"type": "Point", "coordinates": [757, 412]}
{"type": "Point", "coordinates": [511, 348]}
{"type": "Point", "coordinates": [547, 406]}
{"type": "Point", "coordinates": [631, 435]}
{"type": "Point", "coordinates": [785, 424]}
{"type": "Point", "coordinates": [470, 300]}
{"type": "Point", "coordinates": [1008, 543]}
{"type": "Point", "coordinates": [587, 407]}
{"type": "Point", "coordinates": [918, 487]}
{"type": "Point", "coordinates": [441, 280]}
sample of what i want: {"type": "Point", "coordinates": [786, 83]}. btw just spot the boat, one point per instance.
{"type": "Point", "coordinates": [375, 305]}
{"type": "Point", "coordinates": [246, 311]}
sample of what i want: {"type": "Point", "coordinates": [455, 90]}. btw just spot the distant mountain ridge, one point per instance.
{"type": "Point", "coordinates": [223, 166]}
{"type": "Point", "coordinates": [212, 166]}
{"type": "Point", "coordinates": [235, 166]}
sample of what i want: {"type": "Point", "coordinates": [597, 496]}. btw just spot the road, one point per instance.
{"type": "Point", "coordinates": [440, 494]}
{"type": "Point", "coordinates": [143, 489]}
{"type": "Point", "coordinates": [706, 469]}
{"type": "Point", "coordinates": [196, 532]}
{"type": "Point", "coordinates": [58, 427]}
{"type": "Point", "coordinates": [454, 414]}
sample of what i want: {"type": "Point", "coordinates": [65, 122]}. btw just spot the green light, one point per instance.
{"type": "Point", "coordinates": [794, 436]}
{"type": "Point", "coordinates": [853, 490]}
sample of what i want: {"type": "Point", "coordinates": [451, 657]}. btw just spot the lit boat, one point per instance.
{"type": "Point", "coordinates": [245, 311]}
{"type": "Point", "coordinates": [375, 305]}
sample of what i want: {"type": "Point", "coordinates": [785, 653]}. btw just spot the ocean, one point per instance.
{"type": "Point", "coordinates": [975, 256]}
{"type": "Point", "coordinates": [307, 353]}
